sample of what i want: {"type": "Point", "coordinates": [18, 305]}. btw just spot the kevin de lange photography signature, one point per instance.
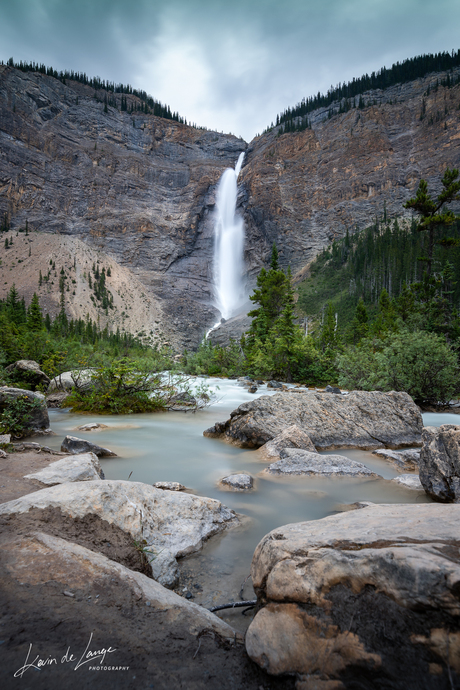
{"type": "Point", "coordinates": [93, 659]}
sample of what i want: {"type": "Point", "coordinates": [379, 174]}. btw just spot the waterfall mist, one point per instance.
{"type": "Point", "coordinates": [228, 245]}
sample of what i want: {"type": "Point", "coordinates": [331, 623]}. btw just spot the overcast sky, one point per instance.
{"type": "Point", "coordinates": [231, 66]}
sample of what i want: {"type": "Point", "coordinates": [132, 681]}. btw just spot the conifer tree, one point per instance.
{"type": "Point", "coordinates": [34, 315]}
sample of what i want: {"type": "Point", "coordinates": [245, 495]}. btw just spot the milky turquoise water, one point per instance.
{"type": "Point", "coordinates": [171, 447]}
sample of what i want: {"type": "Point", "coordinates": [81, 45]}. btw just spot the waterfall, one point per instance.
{"type": "Point", "coordinates": [228, 245]}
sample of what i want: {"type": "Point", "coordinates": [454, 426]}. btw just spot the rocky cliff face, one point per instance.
{"type": "Point", "coordinates": [306, 188]}
{"type": "Point", "coordinates": [141, 189]}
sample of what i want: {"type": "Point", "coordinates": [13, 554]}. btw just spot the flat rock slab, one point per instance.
{"type": "Point", "coordinates": [72, 444]}
{"type": "Point", "coordinates": [291, 437]}
{"type": "Point", "coordinates": [238, 482]}
{"type": "Point", "coordinates": [296, 461]}
{"type": "Point", "coordinates": [166, 524]}
{"type": "Point", "coordinates": [440, 463]}
{"type": "Point", "coordinates": [410, 481]}
{"type": "Point", "coordinates": [403, 459]}
{"type": "Point", "coordinates": [362, 419]}
{"type": "Point", "coordinates": [375, 590]}
{"type": "Point", "coordinates": [76, 468]}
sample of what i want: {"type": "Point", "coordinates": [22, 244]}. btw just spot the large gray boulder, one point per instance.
{"type": "Point", "coordinates": [358, 594]}
{"type": "Point", "coordinates": [297, 461]}
{"type": "Point", "coordinates": [37, 419]}
{"type": "Point", "coordinates": [362, 419]}
{"type": "Point", "coordinates": [169, 524]}
{"type": "Point", "coordinates": [72, 444]}
{"type": "Point", "coordinates": [30, 369]}
{"type": "Point", "coordinates": [439, 464]}
{"type": "Point", "coordinates": [75, 468]}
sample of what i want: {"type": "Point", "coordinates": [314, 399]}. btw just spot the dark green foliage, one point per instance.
{"type": "Point", "coordinates": [16, 416]}
{"type": "Point", "coordinates": [433, 214]}
{"type": "Point", "coordinates": [385, 256]}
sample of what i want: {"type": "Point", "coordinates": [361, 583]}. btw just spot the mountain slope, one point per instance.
{"type": "Point", "coordinates": [141, 189]}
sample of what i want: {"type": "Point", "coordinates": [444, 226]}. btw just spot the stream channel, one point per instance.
{"type": "Point", "coordinates": [170, 446]}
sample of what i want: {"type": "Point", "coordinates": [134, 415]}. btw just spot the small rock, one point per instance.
{"type": "Point", "coordinates": [169, 486]}
{"type": "Point", "coordinates": [5, 438]}
{"type": "Point", "coordinates": [92, 426]}
{"type": "Point", "coordinates": [274, 384]}
{"type": "Point", "coordinates": [238, 482]}
{"type": "Point", "coordinates": [296, 461]}
{"type": "Point", "coordinates": [252, 389]}
{"type": "Point", "coordinates": [75, 445]}
{"type": "Point", "coordinates": [410, 481]}
{"type": "Point", "coordinates": [333, 389]}
{"type": "Point", "coordinates": [2, 454]}
{"type": "Point", "coordinates": [292, 437]}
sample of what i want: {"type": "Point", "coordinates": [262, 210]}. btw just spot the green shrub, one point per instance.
{"type": "Point", "coordinates": [17, 414]}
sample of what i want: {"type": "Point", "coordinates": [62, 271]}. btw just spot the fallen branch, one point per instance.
{"type": "Point", "coordinates": [242, 586]}
{"type": "Point", "coordinates": [234, 605]}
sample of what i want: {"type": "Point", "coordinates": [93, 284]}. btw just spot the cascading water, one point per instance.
{"type": "Point", "coordinates": [228, 246]}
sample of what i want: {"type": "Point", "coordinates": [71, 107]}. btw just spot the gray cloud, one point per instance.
{"type": "Point", "coordinates": [231, 66]}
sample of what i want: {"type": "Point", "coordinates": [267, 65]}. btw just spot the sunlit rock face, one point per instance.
{"type": "Point", "coordinates": [143, 189]}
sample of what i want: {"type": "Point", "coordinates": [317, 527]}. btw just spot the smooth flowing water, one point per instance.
{"type": "Point", "coordinates": [171, 447]}
{"type": "Point", "coordinates": [229, 244]}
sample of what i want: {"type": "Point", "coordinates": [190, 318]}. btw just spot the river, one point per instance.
{"type": "Point", "coordinates": [170, 446]}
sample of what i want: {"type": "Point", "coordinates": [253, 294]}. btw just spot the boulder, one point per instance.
{"type": "Point", "coordinates": [297, 461]}
{"type": "Point", "coordinates": [38, 421]}
{"type": "Point", "coordinates": [238, 482]}
{"type": "Point", "coordinates": [169, 486]}
{"type": "Point", "coordinates": [72, 444]}
{"type": "Point", "coordinates": [291, 437]}
{"type": "Point", "coordinates": [332, 389]}
{"type": "Point", "coordinates": [367, 594]}
{"type": "Point", "coordinates": [172, 524]}
{"type": "Point", "coordinates": [57, 398]}
{"type": "Point", "coordinates": [439, 464]}
{"type": "Point", "coordinates": [76, 468]}
{"type": "Point", "coordinates": [69, 379]}
{"type": "Point", "coordinates": [5, 439]}
{"type": "Point", "coordinates": [252, 389]}
{"type": "Point", "coordinates": [410, 481]}
{"type": "Point", "coordinates": [362, 419]}
{"type": "Point", "coordinates": [30, 369]}
{"type": "Point", "coordinates": [274, 384]}
{"type": "Point", "coordinates": [407, 460]}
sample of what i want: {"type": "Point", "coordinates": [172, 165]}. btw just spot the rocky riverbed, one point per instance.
{"type": "Point", "coordinates": [88, 547]}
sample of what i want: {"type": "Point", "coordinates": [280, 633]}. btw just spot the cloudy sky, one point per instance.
{"type": "Point", "coordinates": [229, 65]}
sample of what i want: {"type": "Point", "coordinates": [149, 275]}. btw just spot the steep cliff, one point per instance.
{"type": "Point", "coordinates": [306, 188]}
{"type": "Point", "coordinates": [139, 190]}
{"type": "Point", "coordinates": [137, 187]}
